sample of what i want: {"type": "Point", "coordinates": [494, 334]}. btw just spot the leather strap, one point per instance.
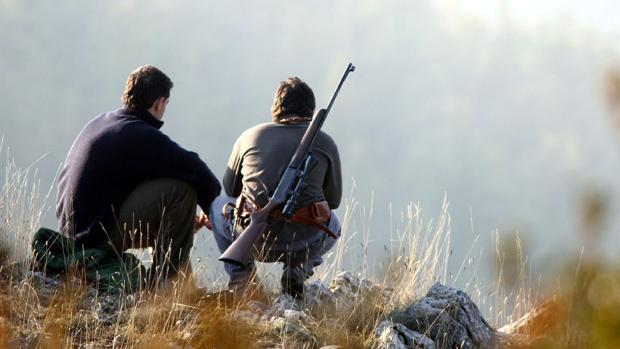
{"type": "Point", "coordinates": [315, 214]}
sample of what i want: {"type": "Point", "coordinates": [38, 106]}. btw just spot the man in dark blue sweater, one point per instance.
{"type": "Point", "coordinates": [125, 184]}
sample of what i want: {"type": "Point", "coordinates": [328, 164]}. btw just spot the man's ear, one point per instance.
{"type": "Point", "coordinates": [159, 103]}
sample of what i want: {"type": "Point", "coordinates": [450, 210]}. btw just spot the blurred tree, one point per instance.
{"type": "Point", "coordinates": [612, 93]}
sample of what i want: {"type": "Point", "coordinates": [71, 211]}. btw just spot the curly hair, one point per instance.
{"type": "Point", "coordinates": [144, 86]}
{"type": "Point", "coordinates": [293, 96]}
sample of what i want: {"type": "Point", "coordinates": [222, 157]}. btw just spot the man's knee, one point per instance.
{"type": "Point", "coordinates": [334, 224]}
{"type": "Point", "coordinates": [221, 223]}
{"type": "Point", "coordinates": [174, 189]}
{"type": "Point", "coordinates": [152, 201]}
{"type": "Point", "coordinates": [160, 190]}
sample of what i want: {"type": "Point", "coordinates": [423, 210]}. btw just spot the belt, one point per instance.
{"type": "Point", "coordinates": [315, 214]}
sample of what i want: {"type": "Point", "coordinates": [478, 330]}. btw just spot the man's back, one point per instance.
{"type": "Point", "coordinates": [262, 153]}
{"type": "Point", "coordinates": [113, 154]}
{"type": "Point", "coordinates": [258, 159]}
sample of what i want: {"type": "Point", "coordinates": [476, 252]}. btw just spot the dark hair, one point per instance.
{"type": "Point", "coordinates": [145, 85]}
{"type": "Point", "coordinates": [293, 96]}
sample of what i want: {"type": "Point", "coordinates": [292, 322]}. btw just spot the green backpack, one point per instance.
{"type": "Point", "coordinates": [55, 254]}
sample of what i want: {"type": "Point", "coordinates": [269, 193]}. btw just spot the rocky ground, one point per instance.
{"type": "Point", "coordinates": [351, 312]}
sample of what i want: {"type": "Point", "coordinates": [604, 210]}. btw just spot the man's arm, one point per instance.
{"type": "Point", "coordinates": [233, 180]}
{"type": "Point", "coordinates": [165, 158]}
{"type": "Point", "coordinates": [332, 186]}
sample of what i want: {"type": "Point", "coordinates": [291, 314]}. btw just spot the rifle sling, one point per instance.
{"type": "Point", "coordinates": [314, 214]}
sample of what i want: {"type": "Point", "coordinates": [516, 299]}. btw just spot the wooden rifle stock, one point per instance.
{"type": "Point", "coordinates": [241, 249]}
{"type": "Point", "coordinates": [287, 191]}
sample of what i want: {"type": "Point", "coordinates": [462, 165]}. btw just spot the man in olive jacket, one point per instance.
{"type": "Point", "coordinates": [259, 156]}
{"type": "Point", "coordinates": [125, 184]}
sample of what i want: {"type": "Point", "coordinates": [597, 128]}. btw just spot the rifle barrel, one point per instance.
{"type": "Point", "coordinates": [350, 68]}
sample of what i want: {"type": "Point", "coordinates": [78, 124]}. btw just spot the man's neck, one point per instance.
{"type": "Point", "coordinates": [294, 119]}
{"type": "Point", "coordinates": [155, 114]}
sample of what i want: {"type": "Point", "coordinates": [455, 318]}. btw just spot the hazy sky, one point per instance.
{"type": "Point", "coordinates": [497, 104]}
{"type": "Point", "coordinates": [600, 14]}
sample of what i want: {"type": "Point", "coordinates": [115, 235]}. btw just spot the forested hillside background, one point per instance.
{"type": "Point", "coordinates": [505, 117]}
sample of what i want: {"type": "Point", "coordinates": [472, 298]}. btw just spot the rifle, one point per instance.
{"type": "Point", "coordinates": [289, 187]}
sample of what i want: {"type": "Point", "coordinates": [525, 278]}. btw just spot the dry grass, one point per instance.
{"type": "Point", "coordinates": [33, 315]}
{"type": "Point", "coordinates": [71, 316]}
{"type": "Point", "coordinates": [21, 209]}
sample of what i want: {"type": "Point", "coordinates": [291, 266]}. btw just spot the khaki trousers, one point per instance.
{"type": "Point", "coordinates": [159, 213]}
{"type": "Point", "coordinates": [298, 263]}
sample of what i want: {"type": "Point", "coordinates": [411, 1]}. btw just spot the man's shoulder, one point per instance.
{"type": "Point", "coordinates": [119, 127]}
{"type": "Point", "coordinates": [112, 114]}
{"type": "Point", "coordinates": [98, 125]}
{"type": "Point", "coordinates": [273, 129]}
{"type": "Point", "coordinates": [109, 117]}
{"type": "Point", "coordinates": [323, 135]}
{"type": "Point", "coordinates": [262, 127]}
{"type": "Point", "coordinates": [256, 131]}
{"type": "Point", "coordinates": [326, 142]}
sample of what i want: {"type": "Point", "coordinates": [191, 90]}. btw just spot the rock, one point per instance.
{"type": "Point", "coordinates": [450, 318]}
{"type": "Point", "coordinates": [538, 321]}
{"type": "Point", "coordinates": [349, 289]}
{"type": "Point", "coordinates": [296, 316]}
{"type": "Point", "coordinates": [389, 338]}
{"type": "Point", "coordinates": [289, 328]}
{"type": "Point", "coordinates": [45, 286]}
{"type": "Point", "coordinates": [247, 316]}
{"type": "Point", "coordinates": [107, 308]}
{"type": "Point", "coordinates": [257, 307]}
{"type": "Point", "coordinates": [254, 312]}
{"type": "Point", "coordinates": [40, 279]}
{"type": "Point", "coordinates": [414, 339]}
{"type": "Point", "coordinates": [393, 336]}
{"type": "Point", "coordinates": [277, 323]}
{"type": "Point", "coordinates": [534, 327]}
{"type": "Point", "coordinates": [319, 299]}
{"type": "Point", "coordinates": [281, 304]}
{"type": "Point", "coordinates": [288, 319]}
{"type": "Point", "coordinates": [297, 331]}
{"type": "Point", "coordinates": [346, 282]}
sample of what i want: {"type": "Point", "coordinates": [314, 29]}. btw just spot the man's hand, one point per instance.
{"type": "Point", "coordinates": [202, 220]}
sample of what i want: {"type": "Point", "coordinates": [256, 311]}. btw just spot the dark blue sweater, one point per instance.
{"type": "Point", "coordinates": [114, 153]}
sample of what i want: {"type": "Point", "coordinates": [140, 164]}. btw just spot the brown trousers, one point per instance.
{"type": "Point", "coordinates": [159, 213]}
